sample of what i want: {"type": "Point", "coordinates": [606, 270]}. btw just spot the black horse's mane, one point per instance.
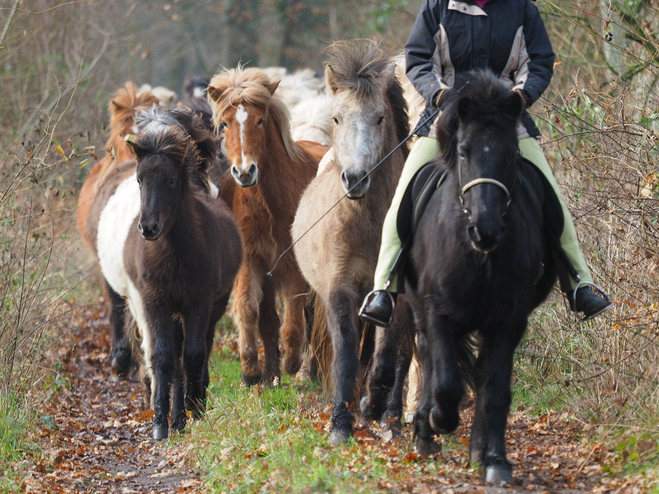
{"type": "Point", "coordinates": [486, 93]}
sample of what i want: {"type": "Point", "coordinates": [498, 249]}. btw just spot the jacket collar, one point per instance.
{"type": "Point", "coordinates": [466, 8]}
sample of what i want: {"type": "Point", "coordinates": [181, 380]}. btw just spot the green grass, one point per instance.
{"type": "Point", "coordinates": [275, 440]}
{"type": "Point", "coordinates": [14, 443]}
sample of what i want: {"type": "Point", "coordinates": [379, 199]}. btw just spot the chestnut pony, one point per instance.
{"type": "Point", "coordinates": [270, 171]}
{"type": "Point", "coordinates": [123, 107]}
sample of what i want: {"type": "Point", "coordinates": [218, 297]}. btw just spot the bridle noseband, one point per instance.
{"type": "Point", "coordinates": [479, 181]}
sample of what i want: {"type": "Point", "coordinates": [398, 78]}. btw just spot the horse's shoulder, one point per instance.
{"type": "Point", "coordinates": [314, 150]}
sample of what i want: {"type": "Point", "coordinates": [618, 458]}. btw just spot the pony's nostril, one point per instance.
{"type": "Point", "coordinates": [140, 228]}
{"type": "Point", "coordinates": [234, 171]}
{"type": "Point", "coordinates": [473, 233]}
{"type": "Point", "coordinates": [252, 169]}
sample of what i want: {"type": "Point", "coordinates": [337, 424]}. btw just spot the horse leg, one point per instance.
{"type": "Point", "coordinates": [218, 311]}
{"type": "Point", "coordinates": [269, 330]}
{"type": "Point", "coordinates": [394, 412]}
{"type": "Point", "coordinates": [178, 394]}
{"type": "Point", "coordinates": [342, 322]}
{"type": "Point", "coordinates": [424, 444]}
{"type": "Point", "coordinates": [494, 368]}
{"type": "Point", "coordinates": [388, 372]}
{"type": "Point", "coordinates": [161, 359]}
{"type": "Point", "coordinates": [247, 298]}
{"type": "Point", "coordinates": [195, 357]}
{"type": "Point", "coordinates": [121, 358]}
{"type": "Point", "coordinates": [293, 329]}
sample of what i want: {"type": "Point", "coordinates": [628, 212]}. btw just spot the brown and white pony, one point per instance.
{"type": "Point", "coordinates": [269, 172]}
{"type": "Point", "coordinates": [123, 108]}
{"type": "Point", "coordinates": [338, 256]}
{"type": "Point", "coordinates": [172, 249]}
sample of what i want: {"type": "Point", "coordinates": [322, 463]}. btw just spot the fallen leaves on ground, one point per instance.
{"type": "Point", "coordinates": [97, 434]}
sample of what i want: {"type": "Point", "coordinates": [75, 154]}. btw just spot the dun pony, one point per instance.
{"type": "Point", "coordinates": [338, 256]}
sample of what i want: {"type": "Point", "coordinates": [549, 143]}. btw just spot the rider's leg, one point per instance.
{"type": "Point", "coordinates": [378, 304]}
{"type": "Point", "coordinates": [582, 299]}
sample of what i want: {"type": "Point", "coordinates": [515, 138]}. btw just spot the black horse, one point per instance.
{"type": "Point", "coordinates": [480, 262]}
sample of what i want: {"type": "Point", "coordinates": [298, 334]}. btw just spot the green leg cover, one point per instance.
{"type": "Point", "coordinates": [530, 149]}
{"type": "Point", "coordinates": [424, 150]}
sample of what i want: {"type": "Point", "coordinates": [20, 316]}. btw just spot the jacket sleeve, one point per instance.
{"type": "Point", "coordinates": [419, 52]}
{"type": "Point", "coordinates": [536, 63]}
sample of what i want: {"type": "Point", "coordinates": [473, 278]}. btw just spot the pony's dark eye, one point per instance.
{"type": "Point", "coordinates": [260, 122]}
{"type": "Point", "coordinates": [172, 182]}
{"type": "Point", "coordinates": [223, 125]}
{"type": "Point", "coordinates": [336, 120]}
{"type": "Point", "coordinates": [380, 120]}
{"type": "Point", "coordinates": [462, 156]}
{"type": "Point", "coordinates": [139, 182]}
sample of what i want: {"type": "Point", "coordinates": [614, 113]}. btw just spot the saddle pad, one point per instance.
{"type": "Point", "coordinates": [416, 198]}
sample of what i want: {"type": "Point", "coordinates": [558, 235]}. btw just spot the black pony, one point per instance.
{"type": "Point", "coordinates": [479, 264]}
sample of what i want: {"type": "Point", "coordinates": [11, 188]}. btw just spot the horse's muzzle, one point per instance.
{"type": "Point", "coordinates": [150, 230]}
{"type": "Point", "coordinates": [355, 186]}
{"type": "Point", "coordinates": [245, 179]}
{"type": "Point", "coordinates": [485, 240]}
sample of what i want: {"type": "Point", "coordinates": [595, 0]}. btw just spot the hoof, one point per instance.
{"type": "Point", "coordinates": [121, 362]}
{"type": "Point", "coordinates": [427, 446]}
{"type": "Point", "coordinates": [292, 366]}
{"type": "Point", "coordinates": [251, 380]}
{"type": "Point", "coordinates": [339, 436]}
{"type": "Point", "coordinates": [392, 424]}
{"type": "Point", "coordinates": [439, 424]}
{"type": "Point", "coordinates": [497, 475]}
{"type": "Point", "coordinates": [160, 432]}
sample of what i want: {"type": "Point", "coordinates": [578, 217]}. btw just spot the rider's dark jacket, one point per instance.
{"type": "Point", "coordinates": [506, 36]}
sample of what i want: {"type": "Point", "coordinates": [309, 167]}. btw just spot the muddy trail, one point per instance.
{"type": "Point", "coordinates": [95, 436]}
{"type": "Point", "coordinates": [95, 433]}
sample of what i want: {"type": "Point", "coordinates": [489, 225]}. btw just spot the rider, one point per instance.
{"type": "Point", "coordinates": [454, 36]}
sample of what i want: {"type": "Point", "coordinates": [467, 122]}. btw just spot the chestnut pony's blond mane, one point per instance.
{"type": "Point", "coordinates": [232, 87]}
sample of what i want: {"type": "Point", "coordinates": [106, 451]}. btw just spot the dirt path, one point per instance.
{"type": "Point", "coordinates": [96, 438]}
{"type": "Point", "coordinates": [95, 435]}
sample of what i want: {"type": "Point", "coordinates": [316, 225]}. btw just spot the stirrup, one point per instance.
{"type": "Point", "coordinates": [573, 298]}
{"type": "Point", "coordinates": [364, 315]}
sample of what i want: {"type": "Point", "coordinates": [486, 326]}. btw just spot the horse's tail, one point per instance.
{"type": "Point", "coordinates": [320, 341]}
{"type": "Point", "coordinates": [467, 359]}
{"type": "Point", "coordinates": [323, 353]}
{"type": "Point", "coordinates": [135, 339]}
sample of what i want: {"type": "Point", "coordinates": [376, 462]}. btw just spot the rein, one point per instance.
{"type": "Point", "coordinates": [432, 116]}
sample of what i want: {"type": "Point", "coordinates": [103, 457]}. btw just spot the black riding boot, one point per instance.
{"type": "Point", "coordinates": [585, 300]}
{"type": "Point", "coordinates": [378, 308]}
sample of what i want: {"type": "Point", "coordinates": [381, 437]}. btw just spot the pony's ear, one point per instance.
{"type": "Point", "coordinates": [466, 108]}
{"type": "Point", "coordinates": [214, 93]}
{"type": "Point", "coordinates": [272, 87]}
{"type": "Point", "coordinates": [330, 79]}
{"type": "Point", "coordinates": [514, 105]}
{"type": "Point", "coordinates": [138, 151]}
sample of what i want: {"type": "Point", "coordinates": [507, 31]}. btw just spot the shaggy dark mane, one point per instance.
{"type": "Point", "coordinates": [399, 108]}
{"type": "Point", "coordinates": [486, 91]}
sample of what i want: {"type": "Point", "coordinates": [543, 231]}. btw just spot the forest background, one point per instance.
{"type": "Point", "coordinates": [60, 62]}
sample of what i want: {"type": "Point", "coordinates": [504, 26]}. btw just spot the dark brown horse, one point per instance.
{"type": "Point", "coordinates": [123, 107]}
{"type": "Point", "coordinates": [173, 250]}
{"type": "Point", "coordinates": [269, 172]}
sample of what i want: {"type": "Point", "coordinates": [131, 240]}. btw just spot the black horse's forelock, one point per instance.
{"type": "Point", "coordinates": [488, 94]}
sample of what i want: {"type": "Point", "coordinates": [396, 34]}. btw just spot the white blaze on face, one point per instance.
{"type": "Point", "coordinates": [241, 118]}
